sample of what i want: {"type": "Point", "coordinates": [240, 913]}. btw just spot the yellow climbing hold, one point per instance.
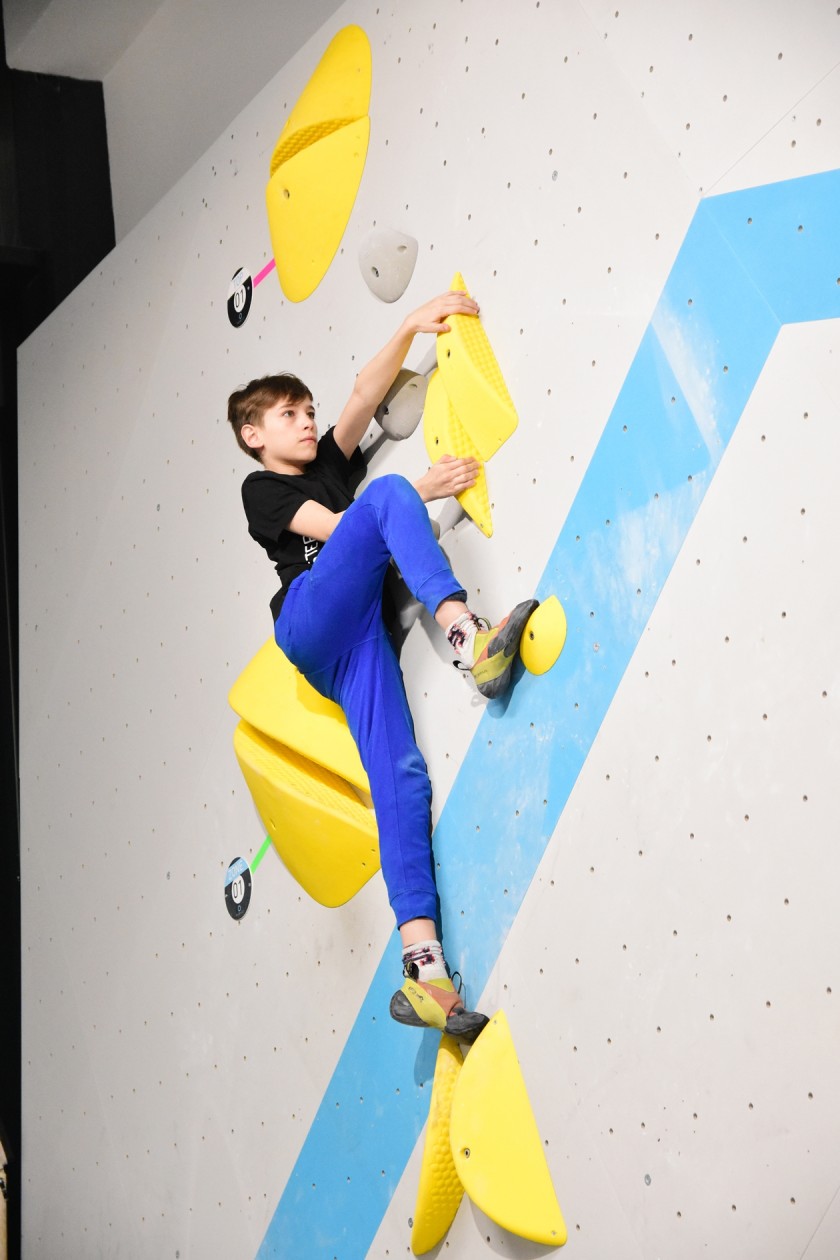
{"type": "Point", "coordinates": [439, 1191]}
{"type": "Point", "coordinates": [445, 435]}
{"type": "Point", "coordinates": [496, 1146]}
{"type": "Point", "coordinates": [474, 381]}
{"type": "Point", "coordinates": [271, 696]}
{"type": "Point", "coordinates": [317, 164]}
{"type": "Point", "coordinates": [338, 92]}
{"type": "Point", "coordinates": [325, 835]}
{"type": "Point", "coordinates": [544, 636]}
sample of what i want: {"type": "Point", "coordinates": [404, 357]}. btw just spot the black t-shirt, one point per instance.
{"type": "Point", "coordinates": [272, 499]}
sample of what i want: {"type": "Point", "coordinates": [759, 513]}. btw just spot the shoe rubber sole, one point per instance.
{"type": "Point", "coordinates": [506, 644]}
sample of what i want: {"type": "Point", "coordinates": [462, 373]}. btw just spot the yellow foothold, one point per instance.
{"type": "Point", "coordinates": [439, 1191]}
{"type": "Point", "coordinates": [496, 1146]}
{"type": "Point", "coordinates": [543, 637]}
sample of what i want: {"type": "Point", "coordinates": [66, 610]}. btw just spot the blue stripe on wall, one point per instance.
{"type": "Point", "coordinates": [751, 261]}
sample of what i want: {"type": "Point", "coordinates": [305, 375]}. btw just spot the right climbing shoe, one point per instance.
{"type": "Point", "coordinates": [436, 1004]}
{"type": "Point", "coordinates": [497, 648]}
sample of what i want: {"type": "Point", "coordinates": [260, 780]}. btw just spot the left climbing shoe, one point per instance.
{"type": "Point", "coordinates": [496, 649]}
{"type": "Point", "coordinates": [436, 1004]}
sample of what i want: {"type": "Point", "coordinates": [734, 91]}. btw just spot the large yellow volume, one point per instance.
{"type": "Point", "coordinates": [474, 381]}
{"type": "Point", "coordinates": [445, 435]}
{"type": "Point", "coordinates": [317, 164]}
{"type": "Point", "coordinates": [439, 1191]}
{"type": "Point", "coordinates": [496, 1146]}
{"type": "Point", "coordinates": [271, 696]}
{"type": "Point", "coordinates": [325, 835]}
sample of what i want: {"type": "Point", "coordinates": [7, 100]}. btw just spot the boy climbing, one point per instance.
{"type": "Point", "coordinates": [328, 618]}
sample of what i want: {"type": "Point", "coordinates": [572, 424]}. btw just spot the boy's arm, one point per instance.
{"type": "Point", "coordinates": [313, 520]}
{"type": "Point", "coordinates": [449, 476]}
{"type": "Point", "coordinates": [373, 381]}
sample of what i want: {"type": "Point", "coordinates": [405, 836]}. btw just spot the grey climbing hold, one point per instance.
{"type": "Point", "coordinates": [387, 259]}
{"type": "Point", "coordinates": [401, 409]}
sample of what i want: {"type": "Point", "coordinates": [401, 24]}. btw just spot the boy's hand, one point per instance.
{"type": "Point", "coordinates": [431, 316]}
{"type": "Point", "coordinates": [446, 478]}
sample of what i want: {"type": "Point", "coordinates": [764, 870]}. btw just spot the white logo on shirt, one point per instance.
{"type": "Point", "coordinates": [310, 549]}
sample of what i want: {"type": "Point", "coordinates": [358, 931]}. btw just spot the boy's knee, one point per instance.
{"type": "Point", "coordinates": [391, 488]}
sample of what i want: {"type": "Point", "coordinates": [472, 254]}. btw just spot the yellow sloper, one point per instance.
{"type": "Point", "coordinates": [445, 435]}
{"type": "Point", "coordinates": [317, 164]}
{"type": "Point", "coordinates": [496, 1146]}
{"type": "Point", "coordinates": [302, 767]}
{"type": "Point", "coordinates": [273, 697]}
{"type": "Point", "coordinates": [325, 835]}
{"type": "Point", "coordinates": [474, 381]}
{"type": "Point", "coordinates": [439, 1191]}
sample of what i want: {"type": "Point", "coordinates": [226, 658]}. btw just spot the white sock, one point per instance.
{"type": "Point", "coordinates": [461, 637]}
{"type": "Point", "coordinates": [427, 958]}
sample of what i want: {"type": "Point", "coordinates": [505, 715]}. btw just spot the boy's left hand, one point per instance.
{"type": "Point", "coordinates": [431, 316]}
{"type": "Point", "coordinates": [446, 478]}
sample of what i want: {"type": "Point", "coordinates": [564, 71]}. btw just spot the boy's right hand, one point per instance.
{"type": "Point", "coordinates": [447, 477]}
{"type": "Point", "coordinates": [431, 316]}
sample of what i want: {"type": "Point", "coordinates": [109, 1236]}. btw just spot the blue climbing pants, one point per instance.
{"type": "Point", "coordinates": [330, 627]}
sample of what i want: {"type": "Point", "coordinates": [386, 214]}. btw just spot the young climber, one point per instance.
{"type": "Point", "coordinates": [328, 620]}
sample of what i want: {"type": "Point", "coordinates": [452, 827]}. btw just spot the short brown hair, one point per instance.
{"type": "Point", "coordinates": [249, 405]}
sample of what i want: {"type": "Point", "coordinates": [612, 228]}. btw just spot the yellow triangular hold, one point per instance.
{"type": "Point", "coordinates": [338, 92]}
{"type": "Point", "coordinates": [543, 637]}
{"type": "Point", "coordinates": [309, 199]}
{"type": "Point", "coordinates": [326, 837]}
{"type": "Point", "coordinates": [496, 1146]}
{"type": "Point", "coordinates": [439, 1191]}
{"type": "Point", "coordinates": [474, 381]}
{"type": "Point", "coordinates": [271, 696]}
{"type": "Point", "coordinates": [445, 435]}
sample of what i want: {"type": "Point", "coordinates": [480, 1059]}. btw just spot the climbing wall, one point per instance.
{"type": "Point", "coordinates": [637, 853]}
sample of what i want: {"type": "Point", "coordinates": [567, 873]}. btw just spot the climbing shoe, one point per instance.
{"type": "Point", "coordinates": [496, 649]}
{"type": "Point", "coordinates": [436, 1004]}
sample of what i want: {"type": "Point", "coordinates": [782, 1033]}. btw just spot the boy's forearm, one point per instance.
{"type": "Point", "coordinates": [377, 376]}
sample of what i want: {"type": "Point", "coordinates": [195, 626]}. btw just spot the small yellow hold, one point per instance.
{"type": "Point", "coordinates": [496, 1145]}
{"type": "Point", "coordinates": [439, 1191]}
{"type": "Point", "coordinates": [543, 637]}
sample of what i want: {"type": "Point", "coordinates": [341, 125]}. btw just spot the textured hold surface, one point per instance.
{"type": "Point", "coordinates": [474, 381]}
{"type": "Point", "coordinates": [326, 837]}
{"type": "Point", "coordinates": [445, 435]}
{"type": "Point", "coordinates": [338, 92]}
{"type": "Point", "coordinates": [496, 1145]}
{"type": "Point", "coordinates": [439, 1190]}
{"type": "Point", "coordinates": [544, 636]}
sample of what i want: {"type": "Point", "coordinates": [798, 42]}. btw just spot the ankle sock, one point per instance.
{"type": "Point", "coordinates": [461, 637]}
{"type": "Point", "coordinates": [424, 961]}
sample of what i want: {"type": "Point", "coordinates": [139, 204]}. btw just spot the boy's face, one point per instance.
{"type": "Point", "coordinates": [287, 439]}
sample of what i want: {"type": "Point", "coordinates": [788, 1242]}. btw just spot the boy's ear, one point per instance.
{"type": "Point", "coordinates": [252, 436]}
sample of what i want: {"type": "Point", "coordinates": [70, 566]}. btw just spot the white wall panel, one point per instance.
{"type": "Point", "coordinates": [174, 1060]}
